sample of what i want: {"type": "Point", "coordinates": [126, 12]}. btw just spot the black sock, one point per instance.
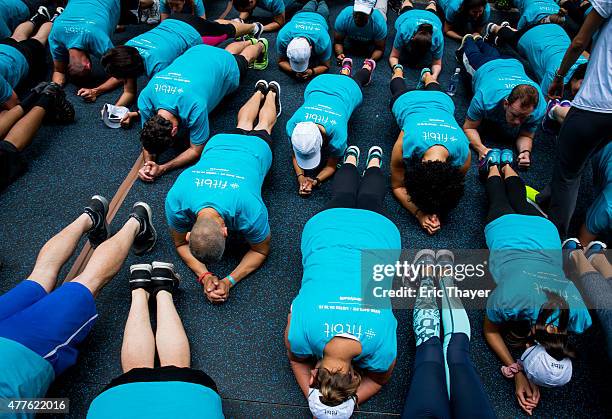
{"type": "Point", "coordinates": [38, 20]}
{"type": "Point", "coordinates": [29, 101]}
{"type": "Point", "coordinates": [45, 102]}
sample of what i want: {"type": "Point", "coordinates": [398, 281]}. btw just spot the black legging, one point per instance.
{"type": "Point", "coordinates": [507, 36]}
{"type": "Point", "coordinates": [507, 197]}
{"type": "Point", "coordinates": [351, 191]}
{"type": "Point", "coordinates": [398, 88]}
{"type": "Point", "coordinates": [362, 77]}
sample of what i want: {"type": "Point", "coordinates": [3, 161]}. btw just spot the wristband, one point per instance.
{"type": "Point", "coordinates": [558, 76]}
{"type": "Point", "coordinates": [231, 280]}
{"type": "Point", "coordinates": [318, 181]}
{"type": "Point", "coordinates": [300, 174]}
{"type": "Point", "coordinates": [204, 275]}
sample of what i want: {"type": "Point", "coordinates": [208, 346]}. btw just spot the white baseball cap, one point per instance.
{"type": "Point", "coordinates": [544, 370]}
{"type": "Point", "coordinates": [298, 52]}
{"type": "Point", "coordinates": [112, 115]}
{"type": "Point", "coordinates": [322, 411]}
{"type": "Point", "coordinates": [364, 6]}
{"type": "Point", "coordinates": [307, 142]}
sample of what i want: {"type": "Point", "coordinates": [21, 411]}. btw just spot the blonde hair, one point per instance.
{"type": "Point", "coordinates": [335, 386]}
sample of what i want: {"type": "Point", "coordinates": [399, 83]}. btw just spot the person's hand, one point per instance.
{"type": "Point", "coordinates": [305, 75]}
{"type": "Point", "coordinates": [88, 95]}
{"type": "Point", "coordinates": [429, 222]}
{"type": "Point", "coordinates": [555, 90]}
{"type": "Point", "coordinates": [527, 394]}
{"type": "Point", "coordinates": [215, 289]}
{"type": "Point", "coordinates": [143, 173]}
{"type": "Point", "coordinates": [524, 159]}
{"type": "Point", "coordinates": [340, 58]}
{"type": "Point", "coordinates": [306, 185]}
{"type": "Point", "coordinates": [128, 119]}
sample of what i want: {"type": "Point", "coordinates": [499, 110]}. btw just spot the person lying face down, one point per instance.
{"type": "Point", "coordinates": [274, 7]}
{"type": "Point", "coordinates": [464, 16]}
{"type": "Point", "coordinates": [360, 29]}
{"type": "Point", "coordinates": [192, 7]}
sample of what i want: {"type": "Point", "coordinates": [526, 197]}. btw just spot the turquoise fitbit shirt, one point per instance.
{"type": "Point", "coordinates": [330, 299]}
{"type": "Point", "coordinates": [407, 24]}
{"type": "Point", "coordinates": [275, 7]}
{"type": "Point", "coordinates": [329, 100]}
{"type": "Point", "coordinates": [599, 215]}
{"type": "Point", "coordinates": [544, 47]}
{"type": "Point", "coordinates": [25, 374]}
{"type": "Point", "coordinates": [491, 84]}
{"type": "Point", "coordinates": [427, 119]}
{"type": "Point", "coordinates": [532, 11]}
{"type": "Point", "coordinates": [191, 87]}
{"type": "Point", "coordinates": [374, 30]}
{"type": "Point", "coordinates": [198, 5]}
{"type": "Point", "coordinates": [452, 11]}
{"type": "Point", "coordinates": [228, 178]}
{"type": "Point", "coordinates": [85, 24]}
{"type": "Point", "coordinates": [160, 46]}
{"type": "Point", "coordinates": [157, 400]}
{"type": "Point", "coordinates": [311, 26]}
{"type": "Point", "coordinates": [13, 13]}
{"type": "Point", "coordinates": [13, 69]}
{"type": "Point", "coordinates": [525, 261]}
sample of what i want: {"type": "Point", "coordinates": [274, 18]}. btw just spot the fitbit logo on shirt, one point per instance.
{"type": "Point", "coordinates": [556, 365]}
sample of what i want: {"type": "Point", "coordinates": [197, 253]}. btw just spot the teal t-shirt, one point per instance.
{"type": "Point", "coordinates": [160, 46]}
{"type": "Point", "coordinates": [329, 100]}
{"type": "Point", "coordinates": [191, 87]}
{"type": "Point", "coordinates": [374, 30]}
{"type": "Point", "coordinates": [13, 69]}
{"type": "Point", "coordinates": [330, 300]}
{"type": "Point", "coordinates": [198, 5]}
{"type": "Point", "coordinates": [407, 24]}
{"type": "Point", "coordinates": [599, 215]}
{"type": "Point", "coordinates": [544, 47]}
{"type": "Point", "coordinates": [532, 11]}
{"type": "Point", "coordinates": [228, 178]}
{"type": "Point", "coordinates": [452, 11]}
{"type": "Point", "coordinates": [492, 83]}
{"type": "Point", "coordinates": [311, 26]}
{"type": "Point", "coordinates": [526, 260]}
{"type": "Point", "coordinates": [157, 400]}
{"type": "Point", "coordinates": [427, 119]}
{"type": "Point", "coordinates": [85, 24]}
{"type": "Point", "coordinates": [275, 7]}
{"type": "Point", "coordinates": [13, 13]}
{"type": "Point", "coordinates": [25, 374]}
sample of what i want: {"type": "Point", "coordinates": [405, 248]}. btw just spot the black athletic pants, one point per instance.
{"type": "Point", "coordinates": [352, 191]}
{"type": "Point", "coordinates": [398, 88]}
{"type": "Point", "coordinates": [507, 196]}
{"type": "Point", "coordinates": [362, 76]}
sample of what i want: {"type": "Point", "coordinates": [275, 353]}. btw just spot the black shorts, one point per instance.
{"type": "Point", "coordinates": [407, 8]}
{"type": "Point", "coordinates": [263, 134]}
{"type": "Point", "coordinates": [243, 65]}
{"type": "Point", "coordinates": [12, 164]}
{"type": "Point", "coordinates": [205, 27]}
{"type": "Point", "coordinates": [35, 55]}
{"type": "Point", "coordinates": [160, 374]}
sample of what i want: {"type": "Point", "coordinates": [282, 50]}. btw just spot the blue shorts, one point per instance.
{"type": "Point", "coordinates": [52, 325]}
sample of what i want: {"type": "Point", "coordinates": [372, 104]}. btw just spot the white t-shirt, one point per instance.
{"type": "Point", "coordinates": [595, 94]}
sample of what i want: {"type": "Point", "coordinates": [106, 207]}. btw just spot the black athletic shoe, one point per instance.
{"type": "Point", "coordinates": [147, 236]}
{"type": "Point", "coordinates": [275, 87]}
{"type": "Point", "coordinates": [164, 277]}
{"type": "Point", "coordinates": [41, 16]}
{"type": "Point", "coordinates": [97, 211]}
{"type": "Point", "coordinates": [58, 11]}
{"type": "Point", "coordinates": [261, 86]}
{"type": "Point", "coordinates": [140, 277]}
{"type": "Point", "coordinates": [259, 29]}
{"type": "Point", "coordinates": [63, 111]}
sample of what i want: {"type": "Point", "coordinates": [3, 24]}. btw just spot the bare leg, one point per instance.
{"type": "Point", "coordinates": [559, 113]}
{"type": "Point", "coordinates": [43, 33]}
{"type": "Point", "coordinates": [57, 251]}
{"type": "Point", "coordinates": [248, 113]}
{"type": "Point", "coordinates": [429, 78]}
{"type": "Point", "coordinates": [251, 52]}
{"type": "Point", "coordinates": [108, 258]}
{"type": "Point", "coordinates": [267, 114]}
{"type": "Point", "coordinates": [171, 339]}
{"type": "Point", "coordinates": [23, 31]}
{"type": "Point", "coordinates": [494, 171]}
{"type": "Point", "coordinates": [138, 349]}
{"type": "Point", "coordinates": [238, 47]}
{"type": "Point", "coordinates": [23, 132]}
{"type": "Point", "coordinates": [581, 264]}
{"type": "Point", "coordinates": [432, 6]}
{"type": "Point", "coordinates": [600, 262]}
{"type": "Point", "coordinates": [398, 73]}
{"type": "Point", "coordinates": [508, 171]}
{"type": "Point", "coordinates": [406, 3]}
{"type": "Point", "coordinates": [9, 118]}
{"type": "Point", "coordinates": [241, 28]}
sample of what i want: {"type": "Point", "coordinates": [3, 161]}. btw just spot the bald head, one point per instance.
{"type": "Point", "coordinates": [207, 240]}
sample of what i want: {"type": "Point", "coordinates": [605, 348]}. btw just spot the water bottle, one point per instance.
{"type": "Point", "coordinates": [454, 80]}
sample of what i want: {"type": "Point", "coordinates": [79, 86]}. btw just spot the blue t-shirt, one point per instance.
{"type": "Point", "coordinates": [13, 69]}
{"type": "Point", "coordinates": [329, 100]}
{"type": "Point", "coordinates": [13, 13]}
{"type": "Point", "coordinates": [493, 83]}
{"type": "Point", "coordinates": [228, 178]}
{"type": "Point", "coordinates": [452, 12]}
{"type": "Point", "coordinates": [374, 30]}
{"type": "Point", "coordinates": [330, 301]}
{"type": "Point", "coordinates": [85, 24]}
{"type": "Point", "coordinates": [544, 47]}
{"type": "Point", "coordinates": [525, 261]}
{"type": "Point", "coordinates": [198, 5]}
{"type": "Point", "coordinates": [164, 399]}
{"type": "Point", "coordinates": [160, 46]}
{"type": "Point", "coordinates": [191, 87]}
{"type": "Point", "coordinates": [532, 11]}
{"type": "Point", "coordinates": [311, 26]}
{"type": "Point", "coordinates": [427, 119]}
{"type": "Point", "coordinates": [25, 374]}
{"type": "Point", "coordinates": [407, 24]}
{"type": "Point", "coordinates": [599, 215]}
{"type": "Point", "coordinates": [275, 7]}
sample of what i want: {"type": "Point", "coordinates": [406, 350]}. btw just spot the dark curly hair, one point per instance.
{"type": "Point", "coordinates": [421, 41]}
{"type": "Point", "coordinates": [123, 62]}
{"type": "Point", "coordinates": [156, 134]}
{"type": "Point", "coordinates": [435, 187]}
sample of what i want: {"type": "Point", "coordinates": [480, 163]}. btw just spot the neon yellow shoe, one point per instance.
{"type": "Point", "coordinates": [531, 193]}
{"type": "Point", "coordinates": [261, 63]}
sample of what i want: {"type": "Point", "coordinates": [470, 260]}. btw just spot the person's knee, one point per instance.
{"type": "Point", "coordinates": [458, 350]}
